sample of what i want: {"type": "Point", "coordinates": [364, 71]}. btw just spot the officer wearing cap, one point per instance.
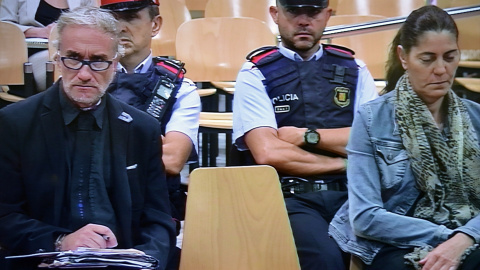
{"type": "Point", "coordinates": [124, 5]}
{"type": "Point", "coordinates": [136, 78]}
{"type": "Point", "coordinates": [293, 108]}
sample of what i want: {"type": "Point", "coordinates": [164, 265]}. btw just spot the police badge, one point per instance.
{"type": "Point", "coordinates": [342, 96]}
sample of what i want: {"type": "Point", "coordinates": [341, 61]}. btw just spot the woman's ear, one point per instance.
{"type": "Point", "coordinates": [402, 56]}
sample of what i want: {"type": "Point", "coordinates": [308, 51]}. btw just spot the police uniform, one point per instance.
{"type": "Point", "coordinates": [137, 90]}
{"type": "Point", "coordinates": [277, 88]}
{"type": "Point", "coordinates": [258, 109]}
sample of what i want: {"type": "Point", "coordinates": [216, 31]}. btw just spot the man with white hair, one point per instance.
{"type": "Point", "coordinates": [79, 168]}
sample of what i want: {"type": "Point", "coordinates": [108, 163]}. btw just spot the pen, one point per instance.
{"type": "Point", "coordinates": [105, 237]}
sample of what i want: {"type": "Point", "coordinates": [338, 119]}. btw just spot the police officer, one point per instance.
{"type": "Point", "coordinates": [137, 76]}
{"type": "Point", "coordinates": [293, 108]}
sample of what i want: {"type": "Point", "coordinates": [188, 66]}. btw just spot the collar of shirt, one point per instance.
{"type": "Point", "coordinates": [140, 68]}
{"type": "Point", "coordinates": [295, 56]}
{"type": "Point", "coordinates": [70, 112]}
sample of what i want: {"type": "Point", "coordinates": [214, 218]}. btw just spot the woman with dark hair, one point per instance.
{"type": "Point", "coordinates": [414, 156]}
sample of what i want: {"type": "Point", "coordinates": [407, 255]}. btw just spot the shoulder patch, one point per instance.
{"type": "Point", "coordinates": [339, 51]}
{"type": "Point", "coordinates": [258, 54]}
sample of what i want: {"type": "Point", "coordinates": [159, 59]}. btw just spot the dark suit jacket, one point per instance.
{"type": "Point", "coordinates": [33, 177]}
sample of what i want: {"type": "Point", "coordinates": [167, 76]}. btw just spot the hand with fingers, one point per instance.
{"type": "Point", "coordinates": [448, 254]}
{"type": "Point", "coordinates": [90, 236]}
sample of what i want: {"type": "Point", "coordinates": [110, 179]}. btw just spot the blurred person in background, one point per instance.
{"type": "Point", "coordinates": [36, 18]}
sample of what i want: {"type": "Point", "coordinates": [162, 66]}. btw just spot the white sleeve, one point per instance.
{"type": "Point", "coordinates": [17, 12]}
{"type": "Point", "coordinates": [366, 89]}
{"type": "Point", "coordinates": [186, 112]}
{"type": "Point", "coordinates": [252, 106]}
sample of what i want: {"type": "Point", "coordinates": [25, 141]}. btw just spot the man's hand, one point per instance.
{"type": "Point", "coordinates": [447, 255]}
{"type": "Point", "coordinates": [90, 236]}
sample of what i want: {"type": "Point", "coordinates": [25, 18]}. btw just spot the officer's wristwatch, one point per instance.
{"type": "Point", "coordinates": [311, 137]}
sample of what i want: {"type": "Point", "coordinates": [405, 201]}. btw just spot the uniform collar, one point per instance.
{"type": "Point", "coordinates": [295, 56]}
{"type": "Point", "coordinates": [140, 68]}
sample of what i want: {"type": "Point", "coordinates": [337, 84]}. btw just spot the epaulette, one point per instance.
{"type": "Point", "coordinates": [339, 51]}
{"type": "Point", "coordinates": [258, 54]}
{"type": "Point", "coordinates": [171, 67]}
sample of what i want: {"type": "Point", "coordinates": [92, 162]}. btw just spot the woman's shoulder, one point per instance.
{"type": "Point", "coordinates": [383, 102]}
{"type": "Point", "coordinates": [470, 104]}
{"type": "Point", "coordinates": [473, 109]}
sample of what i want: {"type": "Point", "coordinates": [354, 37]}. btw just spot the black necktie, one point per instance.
{"type": "Point", "coordinates": [81, 166]}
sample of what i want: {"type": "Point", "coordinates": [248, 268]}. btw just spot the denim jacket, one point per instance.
{"type": "Point", "coordinates": [382, 189]}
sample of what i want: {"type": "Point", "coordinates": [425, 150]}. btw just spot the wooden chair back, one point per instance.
{"type": "Point", "coordinates": [456, 3]}
{"type": "Point", "coordinates": [469, 33]}
{"type": "Point", "coordinates": [472, 84]}
{"type": "Point", "coordinates": [333, 4]}
{"type": "Point", "coordinates": [214, 49]}
{"type": "Point", "coordinates": [173, 13]}
{"type": "Point", "coordinates": [352, 19]}
{"type": "Point", "coordinates": [258, 9]}
{"type": "Point", "coordinates": [196, 4]}
{"type": "Point", "coordinates": [372, 48]}
{"type": "Point", "coordinates": [236, 219]}
{"type": "Point", "coordinates": [468, 27]}
{"type": "Point", "coordinates": [13, 54]}
{"type": "Point", "coordinates": [387, 8]}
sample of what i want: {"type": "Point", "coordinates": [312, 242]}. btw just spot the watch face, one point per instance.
{"type": "Point", "coordinates": [312, 137]}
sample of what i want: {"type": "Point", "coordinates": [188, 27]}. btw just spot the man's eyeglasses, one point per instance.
{"type": "Point", "coordinates": [75, 64]}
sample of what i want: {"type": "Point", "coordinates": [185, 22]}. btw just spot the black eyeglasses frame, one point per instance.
{"type": "Point", "coordinates": [86, 62]}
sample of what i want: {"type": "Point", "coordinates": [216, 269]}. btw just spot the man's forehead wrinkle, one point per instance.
{"type": "Point", "coordinates": [76, 53]}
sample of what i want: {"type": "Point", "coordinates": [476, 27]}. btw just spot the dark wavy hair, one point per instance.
{"type": "Point", "coordinates": [424, 19]}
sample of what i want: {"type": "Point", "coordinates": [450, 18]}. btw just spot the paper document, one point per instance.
{"type": "Point", "coordinates": [94, 258]}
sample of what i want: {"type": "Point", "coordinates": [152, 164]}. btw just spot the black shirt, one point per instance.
{"type": "Point", "coordinates": [99, 209]}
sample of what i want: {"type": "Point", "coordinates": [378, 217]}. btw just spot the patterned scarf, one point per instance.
{"type": "Point", "coordinates": [447, 170]}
